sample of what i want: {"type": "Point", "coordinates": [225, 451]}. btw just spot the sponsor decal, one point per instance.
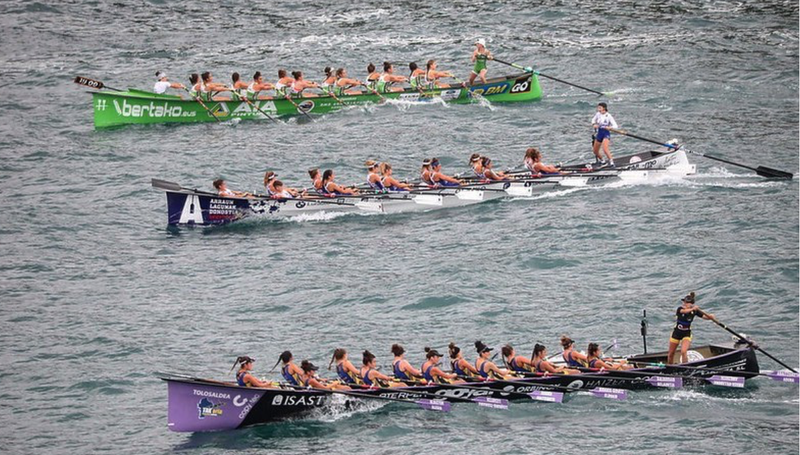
{"type": "Point", "coordinates": [220, 110]}
{"type": "Point", "coordinates": [222, 209]}
{"type": "Point", "coordinates": [306, 106]}
{"type": "Point", "coordinates": [521, 85]}
{"type": "Point", "coordinates": [100, 106]}
{"type": "Point", "coordinates": [152, 110]}
{"type": "Point", "coordinates": [208, 408]}
{"type": "Point", "coordinates": [409, 96]}
{"type": "Point", "coordinates": [298, 400]}
{"type": "Point", "coordinates": [492, 89]}
{"type": "Point", "coordinates": [191, 213]}
{"type": "Point", "coordinates": [448, 95]}
{"type": "Point", "coordinates": [209, 394]}
{"type": "Point", "coordinates": [238, 401]}
{"type": "Point", "coordinates": [245, 109]}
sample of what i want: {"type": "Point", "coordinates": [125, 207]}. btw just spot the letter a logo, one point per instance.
{"type": "Point", "coordinates": [191, 211]}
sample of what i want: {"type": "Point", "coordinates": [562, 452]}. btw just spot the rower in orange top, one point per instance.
{"type": "Point", "coordinates": [431, 371]}
{"type": "Point", "coordinates": [440, 179]}
{"type": "Point", "coordinates": [533, 162]}
{"type": "Point", "coordinates": [460, 365]}
{"type": "Point", "coordinates": [486, 368]}
{"type": "Point", "coordinates": [331, 188]}
{"type": "Point", "coordinates": [594, 356]}
{"type": "Point", "coordinates": [309, 378]}
{"type": "Point", "coordinates": [544, 366]}
{"type": "Point", "coordinates": [516, 363]}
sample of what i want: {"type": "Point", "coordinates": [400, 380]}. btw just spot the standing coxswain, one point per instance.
{"type": "Point", "coordinates": [459, 364]}
{"type": "Point", "coordinates": [601, 121]}
{"type": "Point", "coordinates": [682, 333]}
{"type": "Point", "coordinates": [162, 83]}
{"type": "Point", "coordinates": [244, 376]}
{"type": "Point", "coordinates": [479, 56]}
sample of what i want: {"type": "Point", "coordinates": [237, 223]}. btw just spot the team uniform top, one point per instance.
{"type": "Point", "coordinates": [604, 121]}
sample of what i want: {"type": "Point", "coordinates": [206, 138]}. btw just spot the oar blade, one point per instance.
{"type": "Point", "coordinates": [726, 381]}
{"type": "Point", "coordinates": [782, 376]}
{"type": "Point", "coordinates": [773, 173]}
{"type": "Point", "coordinates": [671, 382]}
{"type": "Point", "coordinates": [612, 394]}
{"type": "Point", "coordinates": [493, 403]}
{"type": "Point", "coordinates": [434, 405]}
{"type": "Point", "coordinates": [165, 185]}
{"type": "Point", "coordinates": [547, 395]}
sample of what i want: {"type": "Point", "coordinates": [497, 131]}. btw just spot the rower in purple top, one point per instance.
{"type": "Point", "coordinates": [403, 371]}
{"type": "Point", "coordinates": [347, 373]}
{"type": "Point", "coordinates": [594, 356]}
{"type": "Point", "coordinates": [372, 377]}
{"type": "Point", "coordinates": [459, 364]}
{"type": "Point", "coordinates": [290, 372]}
{"type": "Point", "coordinates": [516, 363]}
{"type": "Point", "coordinates": [486, 368]}
{"type": "Point", "coordinates": [440, 179]}
{"type": "Point", "coordinates": [431, 371]}
{"type": "Point", "coordinates": [545, 367]}
{"type": "Point", "coordinates": [245, 377]}
{"type": "Point", "coordinates": [571, 357]}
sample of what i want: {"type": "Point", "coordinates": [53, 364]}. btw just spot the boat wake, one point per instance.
{"type": "Point", "coordinates": [406, 104]}
{"type": "Point", "coordinates": [341, 407]}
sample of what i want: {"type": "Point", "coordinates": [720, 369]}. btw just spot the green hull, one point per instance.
{"type": "Point", "coordinates": [139, 107]}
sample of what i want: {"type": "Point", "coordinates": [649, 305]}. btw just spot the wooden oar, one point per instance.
{"type": "Point", "coordinates": [93, 83]}
{"type": "Point", "coordinates": [528, 69]}
{"type": "Point", "coordinates": [760, 170]}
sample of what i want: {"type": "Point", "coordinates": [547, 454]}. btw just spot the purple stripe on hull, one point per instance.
{"type": "Point", "coordinates": [197, 407]}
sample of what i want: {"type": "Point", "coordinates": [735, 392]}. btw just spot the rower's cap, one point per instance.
{"type": "Point", "coordinates": [160, 75]}
{"type": "Point", "coordinates": [434, 353]}
{"type": "Point", "coordinates": [271, 175]}
{"type": "Point", "coordinates": [481, 41]}
{"type": "Point", "coordinates": [481, 348]}
{"type": "Point", "coordinates": [435, 162]}
{"type": "Point", "coordinates": [426, 162]}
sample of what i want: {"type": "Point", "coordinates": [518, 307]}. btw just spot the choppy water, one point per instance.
{"type": "Point", "coordinates": [98, 295]}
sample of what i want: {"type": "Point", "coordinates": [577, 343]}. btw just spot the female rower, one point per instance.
{"type": "Point", "coordinates": [440, 179]}
{"type": "Point", "coordinates": [459, 364]}
{"type": "Point", "coordinates": [222, 189]}
{"type": "Point", "coordinates": [403, 371]}
{"type": "Point", "coordinates": [390, 183]}
{"type": "Point", "coordinates": [387, 78]}
{"type": "Point", "coordinates": [514, 362]}
{"type": "Point", "coordinates": [417, 76]}
{"type": "Point", "coordinates": [284, 83]}
{"type": "Point", "coordinates": [371, 376]}
{"type": "Point", "coordinates": [601, 121]}
{"type": "Point", "coordinates": [300, 84]}
{"type": "Point", "coordinates": [238, 87]}
{"type": "Point", "coordinates": [486, 368]}
{"type": "Point", "coordinates": [432, 75]}
{"type": "Point", "coordinates": [329, 83]}
{"type": "Point", "coordinates": [258, 85]}
{"type": "Point", "coordinates": [479, 56]}
{"type": "Point", "coordinates": [372, 77]}
{"type": "Point", "coordinates": [290, 372]}
{"type": "Point", "coordinates": [544, 366]}
{"type": "Point", "coordinates": [594, 355]}
{"type": "Point", "coordinates": [163, 83]}
{"type": "Point", "coordinates": [329, 187]}
{"type": "Point", "coordinates": [476, 163]}
{"type": "Point", "coordinates": [245, 377]}
{"type": "Point", "coordinates": [431, 371]}
{"type": "Point", "coordinates": [571, 357]}
{"type": "Point", "coordinates": [309, 378]}
{"type": "Point", "coordinates": [488, 172]}
{"type": "Point", "coordinates": [348, 373]}
{"type": "Point", "coordinates": [344, 83]}
{"type": "Point", "coordinates": [426, 173]}
{"type": "Point", "coordinates": [682, 333]}
{"type": "Point", "coordinates": [316, 179]}
{"type": "Point", "coordinates": [208, 87]}
{"type": "Point", "coordinates": [285, 192]}
{"type": "Point", "coordinates": [374, 179]}
{"type": "Point", "coordinates": [194, 83]}
{"type": "Point", "coordinates": [533, 162]}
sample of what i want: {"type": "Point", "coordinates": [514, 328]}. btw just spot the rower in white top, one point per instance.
{"type": "Point", "coordinates": [601, 121]}
{"type": "Point", "coordinates": [162, 83]}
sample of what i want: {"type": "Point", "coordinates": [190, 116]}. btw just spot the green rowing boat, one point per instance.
{"type": "Point", "coordinates": [113, 108]}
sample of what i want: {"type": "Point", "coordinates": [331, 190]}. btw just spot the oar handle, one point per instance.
{"type": "Point", "coordinates": [753, 345]}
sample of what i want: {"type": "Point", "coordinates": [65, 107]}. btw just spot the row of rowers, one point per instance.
{"type": "Point", "coordinates": [404, 374]}
{"type": "Point", "coordinates": [294, 84]}
{"type": "Point", "coordinates": [380, 178]}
